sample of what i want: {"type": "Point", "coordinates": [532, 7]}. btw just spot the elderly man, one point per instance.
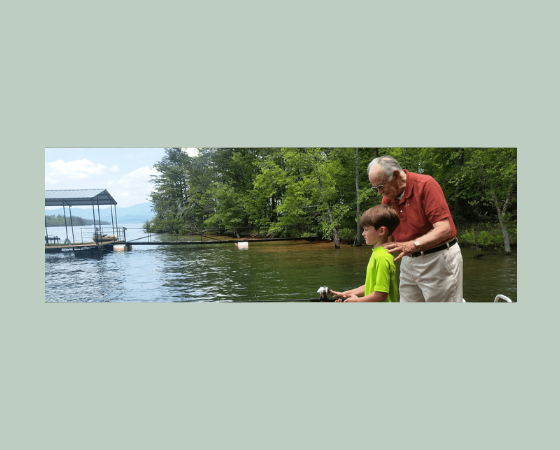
{"type": "Point", "coordinates": [432, 267]}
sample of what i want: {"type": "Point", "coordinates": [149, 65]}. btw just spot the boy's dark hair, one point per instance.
{"type": "Point", "coordinates": [381, 216]}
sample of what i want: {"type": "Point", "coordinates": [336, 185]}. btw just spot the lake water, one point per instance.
{"type": "Point", "coordinates": [266, 271]}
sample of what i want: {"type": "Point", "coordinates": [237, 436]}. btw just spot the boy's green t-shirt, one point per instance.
{"type": "Point", "coordinates": [382, 275]}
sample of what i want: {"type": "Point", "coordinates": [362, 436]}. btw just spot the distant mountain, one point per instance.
{"type": "Point", "coordinates": [132, 214]}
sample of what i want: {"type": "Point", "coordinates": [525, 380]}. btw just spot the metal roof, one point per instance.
{"type": "Point", "coordinates": [78, 197]}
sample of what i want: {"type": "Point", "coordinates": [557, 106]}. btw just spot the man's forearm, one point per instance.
{"type": "Point", "coordinates": [431, 239]}
{"type": "Point", "coordinates": [436, 236]}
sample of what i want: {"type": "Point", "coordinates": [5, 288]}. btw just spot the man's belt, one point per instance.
{"type": "Point", "coordinates": [435, 249]}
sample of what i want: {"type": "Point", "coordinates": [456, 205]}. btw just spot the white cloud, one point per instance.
{"type": "Point", "coordinates": [127, 189]}
{"type": "Point", "coordinates": [82, 168]}
{"type": "Point", "coordinates": [192, 151]}
{"type": "Point", "coordinates": [134, 187]}
{"type": "Point", "coordinates": [141, 175]}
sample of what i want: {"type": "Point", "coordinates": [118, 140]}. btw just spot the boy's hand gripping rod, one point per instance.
{"type": "Point", "coordinates": [325, 295]}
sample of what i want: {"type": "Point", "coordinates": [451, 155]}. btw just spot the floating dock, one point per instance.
{"type": "Point", "coordinates": [216, 241]}
{"type": "Point", "coordinates": [88, 248]}
{"type": "Point", "coordinates": [91, 248]}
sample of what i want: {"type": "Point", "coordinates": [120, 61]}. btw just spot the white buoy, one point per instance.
{"type": "Point", "coordinates": [242, 245]}
{"type": "Point", "coordinates": [122, 247]}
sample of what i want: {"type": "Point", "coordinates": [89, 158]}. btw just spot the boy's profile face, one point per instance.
{"type": "Point", "coordinates": [374, 237]}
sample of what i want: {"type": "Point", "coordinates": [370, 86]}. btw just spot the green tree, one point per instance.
{"type": "Point", "coordinates": [321, 191]}
{"type": "Point", "coordinates": [494, 172]}
{"type": "Point", "coordinates": [325, 169]}
{"type": "Point", "coordinates": [170, 190]}
{"type": "Point", "coordinates": [234, 172]}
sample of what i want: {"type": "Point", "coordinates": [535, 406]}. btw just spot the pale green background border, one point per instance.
{"type": "Point", "coordinates": [104, 376]}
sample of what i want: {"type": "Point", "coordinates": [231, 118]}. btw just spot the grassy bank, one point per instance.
{"type": "Point", "coordinates": [480, 235]}
{"type": "Point", "coordinates": [486, 236]}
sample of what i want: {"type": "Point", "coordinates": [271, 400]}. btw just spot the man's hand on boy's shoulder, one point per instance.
{"type": "Point", "coordinates": [405, 248]}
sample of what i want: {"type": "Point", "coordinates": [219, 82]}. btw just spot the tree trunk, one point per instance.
{"type": "Point", "coordinates": [335, 230]}
{"type": "Point", "coordinates": [458, 164]}
{"type": "Point", "coordinates": [274, 217]}
{"type": "Point", "coordinates": [506, 239]}
{"type": "Point", "coordinates": [507, 246]}
{"type": "Point", "coordinates": [501, 212]}
{"type": "Point", "coordinates": [336, 238]}
{"type": "Point", "coordinates": [357, 241]}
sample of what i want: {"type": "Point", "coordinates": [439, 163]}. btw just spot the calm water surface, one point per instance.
{"type": "Point", "coordinates": [267, 271]}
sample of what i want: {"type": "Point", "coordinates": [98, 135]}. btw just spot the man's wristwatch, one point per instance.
{"type": "Point", "coordinates": [417, 244]}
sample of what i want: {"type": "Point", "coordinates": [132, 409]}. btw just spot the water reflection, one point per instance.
{"type": "Point", "coordinates": [267, 271]}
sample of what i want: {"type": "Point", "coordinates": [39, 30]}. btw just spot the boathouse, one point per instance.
{"type": "Point", "coordinates": [81, 197]}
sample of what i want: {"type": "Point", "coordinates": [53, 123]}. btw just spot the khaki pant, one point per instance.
{"type": "Point", "coordinates": [437, 277]}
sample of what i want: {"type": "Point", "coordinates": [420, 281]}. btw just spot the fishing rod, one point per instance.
{"type": "Point", "coordinates": [325, 295]}
{"type": "Point", "coordinates": [291, 300]}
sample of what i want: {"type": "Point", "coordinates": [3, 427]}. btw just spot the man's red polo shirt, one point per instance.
{"type": "Point", "coordinates": [422, 205]}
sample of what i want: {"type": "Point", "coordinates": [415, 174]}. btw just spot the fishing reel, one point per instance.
{"type": "Point", "coordinates": [326, 295]}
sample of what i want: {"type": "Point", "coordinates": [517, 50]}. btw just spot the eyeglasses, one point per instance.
{"type": "Point", "coordinates": [381, 185]}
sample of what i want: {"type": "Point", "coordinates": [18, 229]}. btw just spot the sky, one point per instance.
{"type": "Point", "coordinates": [124, 172]}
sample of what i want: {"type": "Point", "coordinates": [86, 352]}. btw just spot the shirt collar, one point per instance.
{"type": "Point", "coordinates": [408, 188]}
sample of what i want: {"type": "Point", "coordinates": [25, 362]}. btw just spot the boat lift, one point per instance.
{"type": "Point", "coordinates": [82, 197]}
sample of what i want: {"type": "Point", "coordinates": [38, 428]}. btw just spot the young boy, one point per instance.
{"type": "Point", "coordinates": [381, 285]}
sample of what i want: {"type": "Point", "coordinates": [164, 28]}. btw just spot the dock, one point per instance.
{"type": "Point", "coordinates": [93, 240]}
{"type": "Point", "coordinates": [86, 247]}
{"type": "Point", "coordinates": [91, 247]}
{"type": "Point", "coordinates": [217, 241]}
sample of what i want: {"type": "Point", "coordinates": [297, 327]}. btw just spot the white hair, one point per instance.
{"type": "Point", "coordinates": [387, 163]}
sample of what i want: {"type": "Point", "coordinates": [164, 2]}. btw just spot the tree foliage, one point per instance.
{"type": "Point", "coordinates": [314, 191]}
